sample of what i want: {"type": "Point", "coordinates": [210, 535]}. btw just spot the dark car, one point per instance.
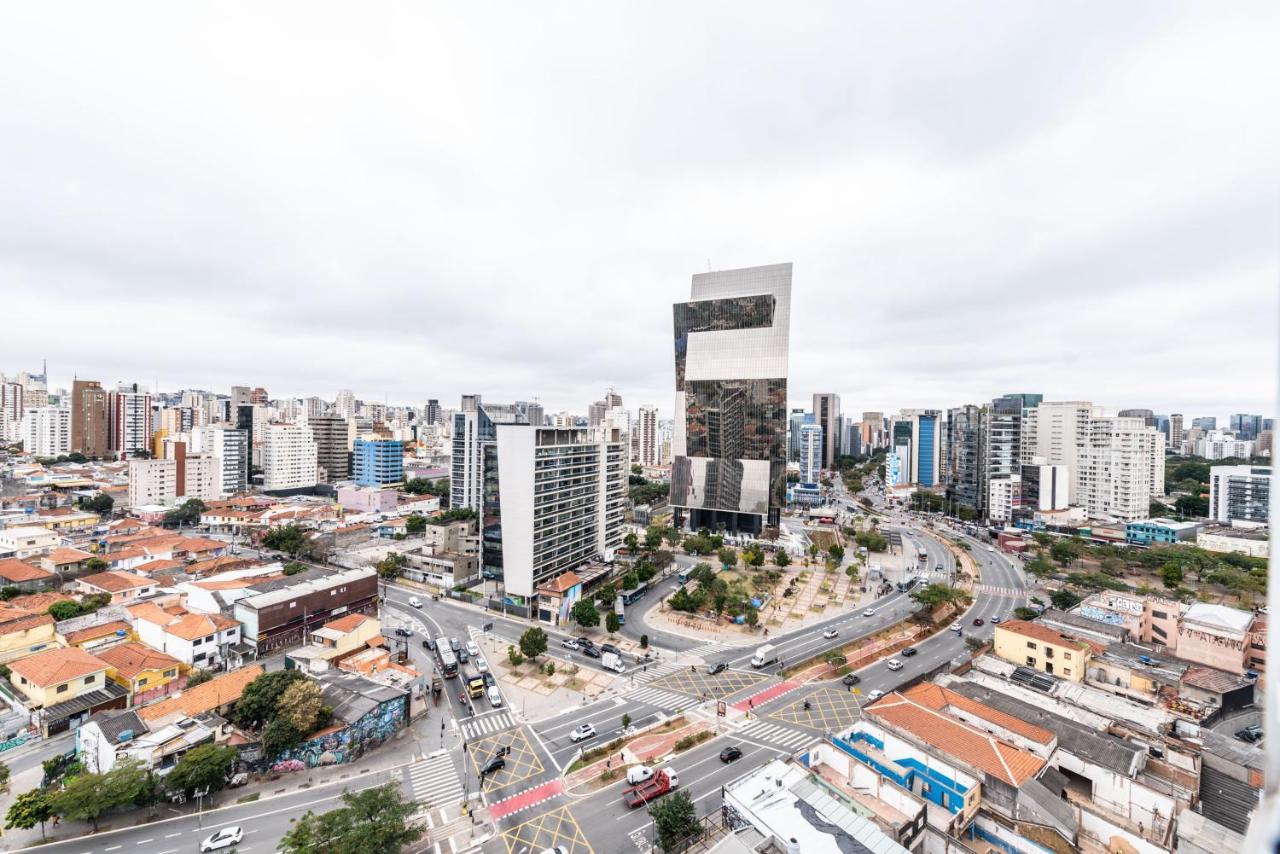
{"type": "Point", "coordinates": [851, 679]}
{"type": "Point", "coordinates": [586, 642]}
{"type": "Point", "coordinates": [430, 643]}
{"type": "Point", "coordinates": [718, 668]}
{"type": "Point", "coordinates": [729, 754]}
{"type": "Point", "coordinates": [909, 651]}
{"type": "Point", "coordinates": [489, 681]}
{"type": "Point", "coordinates": [590, 652]}
{"type": "Point", "coordinates": [462, 654]}
{"type": "Point", "coordinates": [426, 644]}
{"type": "Point", "coordinates": [977, 621]}
{"type": "Point", "coordinates": [403, 632]}
{"type": "Point", "coordinates": [497, 763]}
{"type": "Point", "coordinates": [1251, 734]}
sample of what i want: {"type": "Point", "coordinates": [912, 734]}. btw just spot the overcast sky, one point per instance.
{"type": "Point", "coordinates": [1077, 199]}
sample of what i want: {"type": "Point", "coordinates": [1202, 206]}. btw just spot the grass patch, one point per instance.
{"type": "Point", "coordinates": [248, 799]}
{"type": "Point", "coordinates": [692, 740]}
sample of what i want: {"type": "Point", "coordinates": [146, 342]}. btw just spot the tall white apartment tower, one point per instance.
{"type": "Point", "coordinates": [1121, 469]}
{"type": "Point", "coordinates": [289, 457]}
{"type": "Point", "coordinates": [230, 447]}
{"type": "Point", "coordinates": [647, 430]}
{"type": "Point", "coordinates": [1054, 432]}
{"type": "Point", "coordinates": [129, 424]}
{"type": "Point", "coordinates": [46, 431]}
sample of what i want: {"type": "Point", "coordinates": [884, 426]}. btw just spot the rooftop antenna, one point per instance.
{"type": "Point", "coordinates": [708, 265]}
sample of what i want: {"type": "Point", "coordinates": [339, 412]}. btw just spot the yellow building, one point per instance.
{"type": "Point", "coordinates": [1042, 648]}
{"type": "Point", "coordinates": [23, 633]}
{"type": "Point", "coordinates": [146, 673]}
{"type": "Point", "coordinates": [57, 675]}
{"type": "Point", "coordinates": [336, 640]}
{"type": "Point", "coordinates": [65, 519]}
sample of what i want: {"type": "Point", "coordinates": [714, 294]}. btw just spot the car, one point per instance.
{"type": "Point", "coordinates": [482, 665]}
{"type": "Point", "coordinates": [569, 643]}
{"type": "Point", "coordinates": [415, 601]}
{"type": "Point", "coordinates": [851, 679]}
{"type": "Point", "coordinates": [1251, 734]}
{"type": "Point", "coordinates": [497, 763]}
{"type": "Point", "coordinates": [462, 655]}
{"type": "Point", "coordinates": [454, 645]}
{"type": "Point", "coordinates": [590, 652]}
{"type": "Point", "coordinates": [472, 649]}
{"type": "Point", "coordinates": [582, 732]}
{"type": "Point", "coordinates": [894, 664]}
{"type": "Point", "coordinates": [430, 643]}
{"type": "Point", "coordinates": [489, 681]}
{"type": "Point", "coordinates": [990, 549]}
{"type": "Point", "coordinates": [909, 651]}
{"type": "Point", "coordinates": [870, 612]}
{"type": "Point", "coordinates": [830, 633]}
{"type": "Point", "coordinates": [637, 774]}
{"type": "Point", "coordinates": [586, 642]}
{"type": "Point", "coordinates": [977, 621]}
{"type": "Point", "coordinates": [875, 695]}
{"type": "Point", "coordinates": [718, 668]}
{"type": "Point", "coordinates": [224, 838]}
{"type": "Point", "coordinates": [729, 754]}
{"type": "Point", "coordinates": [403, 632]}
{"type": "Point", "coordinates": [556, 849]}
{"type": "Point", "coordinates": [996, 620]}
{"type": "Point", "coordinates": [494, 695]}
{"type": "Point", "coordinates": [955, 627]}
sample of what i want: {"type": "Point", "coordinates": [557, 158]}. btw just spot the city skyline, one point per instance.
{"type": "Point", "coordinates": [957, 231]}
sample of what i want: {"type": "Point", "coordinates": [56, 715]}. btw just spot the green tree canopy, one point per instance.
{"type": "Point", "coordinates": [632, 542]}
{"type": "Point", "coordinates": [936, 594]}
{"type": "Point", "coordinates": [186, 514]}
{"type": "Point", "coordinates": [87, 796]}
{"type": "Point", "coordinates": [278, 736]}
{"type": "Point", "coordinates": [392, 566]}
{"type": "Point", "coordinates": [533, 642]}
{"type": "Point", "coordinates": [29, 809]}
{"type": "Point", "coordinates": [286, 538]}
{"type": "Point", "coordinates": [257, 705]}
{"type": "Point", "coordinates": [781, 558]}
{"type": "Point", "coordinates": [205, 767]}
{"type": "Point", "coordinates": [372, 821]}
{"type": "Point", "coordinates": [585, 614]}
{"type": "Point", "coordinates": [675, 818]}
{"type": "Point", "coordinates": [415, 524]}
{"type": "Point", "coordinates": [1064, 599]}
{"type": "Point", "coordinates": [612, 623]}
{"type": "Point", "coordinates": [303, 706]}
{"type": "Point", "coordinates": [1065, 551]}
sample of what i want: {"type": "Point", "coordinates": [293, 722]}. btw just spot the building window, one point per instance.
{"type": "Point", "coordinates": [62, 689]}
{"type": "Point", "coordinates": [1030, 645]}
{"type": "Point", "coordinates": [1066, 671]}
{"type": "Point", "coordinates": [142, 681]}
{"type": "Point", "coordinates": [1031, 661]}
{"type": "Point", "coordinates": [88, 680]}
{"type": "Point", "coordinates": [169, 674]}
{"type": "Point", "coordinates": [1048, 652]}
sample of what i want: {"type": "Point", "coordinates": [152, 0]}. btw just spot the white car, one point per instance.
{"type": "Point", "coordinates": [894, 664]}
{"type": "Point", "coordinates": [495, 696]}
{"type": "Point", "coordinates": [830, 633]}
{"type": "Point", "coordinates": [870, 612]}
{"type": "Point", "coordinates": [224, 838]}
{"type": "Point", "coordinates": [584, 731]}
{"type": "Point", "coordinates": [990, 549]}
{"type": "Point", "coordinates": [482, 665]}
{"type": "Point", "coordinates": [472, 649]}
{"type": "Point", "coordinates": [637, 774]}
{"type": "Point", "coordinates": [559, 849]}
{"type": "Point", "coordinates": [415, 601]}
{"type": "Point", "coordinates": [875, 695]}
{"type": "Point", "coordinates": [955, 627]}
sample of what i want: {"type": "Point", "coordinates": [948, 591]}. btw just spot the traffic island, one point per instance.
{"type": "Point", "coordinates": [647, 748]}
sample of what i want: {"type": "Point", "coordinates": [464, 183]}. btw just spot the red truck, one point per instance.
{"type": "Point", "coordinates": [655, 787]}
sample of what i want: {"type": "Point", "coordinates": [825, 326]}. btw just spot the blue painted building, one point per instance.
{"type": "Point", "coordinates": [1160, 532]}
{"type": "Point", "coordinates": [930, 450]}
{"type": "Point", "coordinates": [378, 462]}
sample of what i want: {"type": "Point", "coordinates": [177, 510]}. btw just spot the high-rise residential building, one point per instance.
{"type": "Point", "coordinates": [1240, 494]}
{"type": "Point", "coordinates": [194, 475]}
{"type": "Point", "coordinates": [230, 448]}
{"type": "Point", "coordinates": [474, 427]}
{"type": "Point", "coordinates": [1206, 422]}
{"type": "Point", "coordinates": [329, 432]}
{"type": "Point", "coordinates": [46, 431]}
{"type": "Point", "coordinates": [1121, 469]}
{"type": "Point", "coordinates": [431, 414]}
{"type": "Point", "coordinates": [553, 501]}
{"type": "Point", "coordinates": [1054, 432]}
{"type": "Point", "coordinates": [89, 432]}
{"type": "Point", "coordinates": [965, 468]}
{"type": "Point", "coordinates": [241, 395]}
{"type": "Point", "coordinates": [129, 419]}
{"type": "Point", "coordinates": [258, 396]}
{"type": "Point", "coordinates": [612, 399]}
{"type": "Point", "coordinates": [1002, 456]}
{"type": "Point", "coordinates": [811, 445]}
{"type": "Point", "coordinates": [729, 444]}
{"type": "Point", "coordinates": [377, 462]}
{"type": "Point", "coordinates": [152, 482]}
{"type": "Point", "coordinates": [794, 422]}
{"type": "Point", "coordinates": [534, 414]}
{"type": "Point", "coordinates": [288, 457]}
{"type": "Point", "coordinates": [11, 411]}
{"type": "Point", "coordinates": [826, 414]}
{"type": "Point", "coordinates": [1174, 435]}
{"type": "Point", "coordinates": [1246, 426]}
{"type": "Point", "coordinates": [1222, 445]}
{"type": "Point", "coordinates": [177, 419]}
{"type": "Point", "coordinates": [312, 407]}
{"type": "Point", "coordinates": [596, 412]}
{"type": "Point", "coordinates": [1148, 417]}
{"type": "Point", "coordinates": [647, 433]}
{"type": "Point", "coordinates": [618, 418]}
{"type": "Point", "coordinates": [345, 404]}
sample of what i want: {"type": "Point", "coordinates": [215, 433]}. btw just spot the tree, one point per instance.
{"type": "Point", "coordinates": [293, 568]}
{"type": "Point", "coordinates": [644, 641]}
{"type": "Point", "coordinates": [186, 514]}
{"type": "Point", "coordinates": [392, 566]}
{"type": "Point", "coordinates": [286, 538]}
{"type": "Point", "coordinates": [514, 656]}
{"type": "Point", "coordinates": [372, 821]}
{"type": "Point", "coordinates": [626, 720]}
{"type": "Point", "coordinates": [87, 796]}
{"type": "Point", "coordinates": [703, 574]}
{"type": "Point", "coordinates": [632, 542]}
{"type": "Point", "coordinates": [754, 556]}
{"type": "Point", "coordinates": [585, 614]}
{"type": "Point", "coordinates": [1024, 613]}
{"type": "Point", "coordinates": [29, 809]}
{"type": "Point", "coordinates": [4, 777]}
{"type": "Point", "coordinates": [415, 524]}
{"type": "Point", "coordinates": [728, 558]}
{"type": "Point", "coordinates": [1040, 568]}
{"type": "Point", "coordinates": [303, 706]}
{"type": "Point", "coordinates": [835, 658]}
{"type": "Point", "coordinates": [198, 677]}
{"type": "Point", "coordinates": [64, 610]}
{"type": "Point", "coordinates": [836, 552]}
{"type": "Point", "coordinates": [870, 540]}
{"type": "Point", "coordinates": [781, 558]}
{"type": "Point", "coordinates": [1064, 599]}
{"type": "Point", "coordinates": [205, 767]}
{"type": "Point", "coordinates": [936, 594]}
{"type": "Point", "coordinates": [100, 504]}
{"type": "Point", "coordinates": [533, 642]}
{"type": "Point", "coordinates": [674, 818]}
{"type": "Point", "coordinates": [630, 581]}
{"type": "Point", "coordinates": [612, 623]}
{"type": "Point", "coordinates": [95, 564]}
{"type": "Point", "coordinates": [418, 486]}
{"type": "Point", "coordinates": [257, 704]}
{"type": "Point", "coordinates": [1196, 506]}
{"type": "Point", "coordinates": [279, 736]}
{"type": "Point", "coordinates": [1171, 575]}
{"type": "Point", "coordinates": [1064, 551]}
{"type": "Point", "coordinates": [752, 617]}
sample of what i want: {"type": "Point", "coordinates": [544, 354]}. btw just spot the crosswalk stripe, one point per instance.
{"type": "Point", "coordinates": [435, 782]}
{"type": "Point", "coordinates": [485, 726]}
{"type": "Point", "coordinates": [659, 697]}
{"type": "Point", "coordinates": [775, 734]}
{"type": "Point", "coordinates": [653, 672]}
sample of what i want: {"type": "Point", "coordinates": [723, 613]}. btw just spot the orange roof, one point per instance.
{"type": "Point", "coordinates": [130, 659]}
{"type": "Point", "coordinates": [21, 620]}
{"type": "Point", "coordinates": [195, 625]}
{"type": "Point", "coordinates": [943, 699]}
{"type": "Point", "coordinates": [159, 565]}
{"type": "Point", "coordinates": [208, 566]}
{"type": "Point", "coordinates": [102, 630]}
{"type": "Point", "coordinates": [114, 581]}
{"type": "Point", "coordinates": [1042, 633]}
{"type": "Point", "coordinates": [955, 738]}
{"type": "Point", "coordinates": [195, 545]}
{"type": "Point", "coordinates": [17, 571]}
{"type": "Point", "coordinates": [39, 602]}
{"type": "Point", "coordinates": [150, 612]}
{"type": "Point", "coordinates": [62, 555]}
{"type": "Point", "coordinates": [561, 583]}
{"type": "Point", "coordinates": [346, 623]}
{"type": "Point", "coordinates": [55, 666]}
{"type": "Point", "coordinates": [218, 691]}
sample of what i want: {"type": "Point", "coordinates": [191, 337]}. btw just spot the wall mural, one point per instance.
{"type": "Point", "coordinates": [349, 743]}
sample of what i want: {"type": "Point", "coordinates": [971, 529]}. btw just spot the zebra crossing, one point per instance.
{"type": "Point", "coordinates": [435, 783]}
{"type": "Point", "coordinates": [993, 590]}
{"type": "Point", "coordinates": [782, 736]}
{"type": "Point", "coordinates": [487, 724]}
{"type": "Point", "coordinates": [661, 698]}
{"type": "Point", "coordinates": [654, 671]}
{"type": "Point", "coordinates": [708, 648]}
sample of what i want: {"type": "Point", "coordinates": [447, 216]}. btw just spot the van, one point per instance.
{"type": "Point", "coordinates": [637, 774]}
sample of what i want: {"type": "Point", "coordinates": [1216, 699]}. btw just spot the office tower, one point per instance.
{"type": "Point", "coordinates": [1043, 487]}
{"type": "Point", "coordinates": [1121, 469]}
{"type": "Point", "coordinates": [230, 448]}
{"type": "Point", "coordinates": [873, 430]}
{"type": "Point", "coordinates": [11, 411]}
{"type": "Point", "coordinates": [377, 462]}
{"type": "Point", "coordinates": [345, 403]}
{"type": "Point", "coordinates": [312, 407]}
{"type": "Point", "coordinates": [811, 445]}
{"type": "Point", "coordinates": [258, 396]}
{"type": "Point", "coordinates": [794, 422]}
{"type": "Point", "coordinates": [534, 414]}
{"type": "Point", "coordinates": [1206, 423]}
{"type": "Point", "coordinates": [964, 467]}
{"type": "Point", "coordinates": [1003, 455]}
{"type": "Point", "coordinates": [917, 440]}
{"type": "Point", "coordinates": [1148, 417]}
{"type": "Point", "coordinates": [596, 412]}
{"type": "Point", "coordinates": [1174, 434]}
{"type": "Point", "coordinates": [1222, 445]}
{"type": "Point", "coordinates": [330, 433]}
{"type": "Point", "coordinates": [1054, 432]}
{"type": "Point", "coordinates": [288, 457]}
{"type": "Point", "coordinates": [241, 395]}
{"type": "Point", "coordinates": [851, 439]}
{"type": "Point", "coordinates": [729, 444]}
{"type": "Point", "coordinates": [1246, 426]}
{"type": "Point", "coordinates": [46, 431]}
{"type": "Point", "coordinates": [89, 419]}
{"type": "Point", "coordinates": [431, 415]}
{"type": "Point", "coordinates": [826, 414]}
{"type": "Point", "coordinates": [474, 428]}
{"type": "Point", "coordinates": [553, 501]}
{"type": "Point", "coordinates": [1240, 494]}
{"type": "Point", "coordinates": [129, 419]}
{"type": "Point", "coordinates": [647, 431]}
{"type": "Point", "coordinates": [612, 399]}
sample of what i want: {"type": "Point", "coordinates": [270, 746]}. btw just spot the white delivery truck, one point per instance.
{"type": "Point", "coordinates": [612, 661]}
{"type": "Point", "coordinates": [765, 655]}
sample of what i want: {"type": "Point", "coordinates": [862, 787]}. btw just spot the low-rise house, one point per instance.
{"type": "Point", "coordinates": [365, 714]}
{"type": "Point", "coordinates": [147, 674]}
{"type": "Point", "coordinates": [27, 542]}
{"type": "Point", "coordinates": [1216, 636]}
{"type": "Point", "coordinates": [107, 738]}
{"type": "Point", "coordinates": [24, 632]}
{"type": "Point", "coordinates": [66, 519]}
{"type": "Point", "coordinates": [122, 587]}
{"type": "Point", "coordinates": [161, 571]}
{"type": "Point", "coordinates": [205, 640]}
{"type": "Point", "coordinates": [218, 695]}
{"type": "Point", "coordinates": [95, 638]}
{"type": "Point", "coordinates": [24, 576]}
{"type": "Point", "coordinates": [1160, 532]}
{"type": "Point", "coordinates": [443, 569]}
{"type": "Point", "coordinates": [66, 686]}
{"type": "Point", "coordinates": [374, 663]}
{"type": "Point", "coordinates": [557, 596]}
{"type": "Point", "coordinates": [66, 562]}
{"type": "Point", "coordinates": [283, 612]}
{"type": "Point", "coordinates": [1039, 647]}
{"type": "Point", "coordinates": [38, 603]}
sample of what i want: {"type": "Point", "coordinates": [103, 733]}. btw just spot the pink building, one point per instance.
{"type": "Point", "coordinates": [1148, 619]}
{"type": "Point", "coordinates": [365, 499]}
{"type": "Point", "coordinates": [1216, 636]}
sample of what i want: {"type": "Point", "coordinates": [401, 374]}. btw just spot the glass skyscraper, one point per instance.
{"type": "Point", "coordinates": [730, 442]}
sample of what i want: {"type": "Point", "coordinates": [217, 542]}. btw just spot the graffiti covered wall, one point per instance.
{"type": "Point", "coordinates": [348, 744]}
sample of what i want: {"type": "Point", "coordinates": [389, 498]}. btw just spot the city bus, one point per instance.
{"type": "Point", "coordinates": [448, 661]}
{"type": "Point", "coordinates": [473, 680]}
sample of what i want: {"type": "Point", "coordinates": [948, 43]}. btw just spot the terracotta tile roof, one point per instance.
{"type": "Point", "coordinates": [55, 666]}
{"type": "Point", "coordinates": [561, 583]}
{"type": "Point", "coordinates": [17, 571]}
{"type": "Point", "coordinates": [39, 602]}
{"type": "Point", "coordinates": [158, 566]}
{"type": "Point", "coordinates": [121, 555]}
{"type": "Point", "coordinates": [130, 659]}
{"type": "Point", "coordinates": [56, 511]}
{"type": "Point", "coordinates": [209, 566]}
{"type": "Point", "coordinates": [1042, 633]}
{"type": "Point", "coordinates": [150, 612]}
{"type": "Point", "coordinates": [14, 620]}
{"type": "Point", "coordinates": [218, 691]}
{"type": "Point", "coordinates": [63, 555]}
{"type": "Point", "coordinates": [197, 545]}
{"type": "Point", "coordinates": [236, 583]}
{"type": "Point", "coordinates": [955, 738]}
{"type": "Point", "coordinates": [93, 632]}
{"type": "Point", "coordinates": [195, 625]}
{"type": "Point", "coordinates": [114, 581]}
{"type": "Point", "coordinates": [346, 623]}
{"type": "Point", "coordinates": [937, 697]}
